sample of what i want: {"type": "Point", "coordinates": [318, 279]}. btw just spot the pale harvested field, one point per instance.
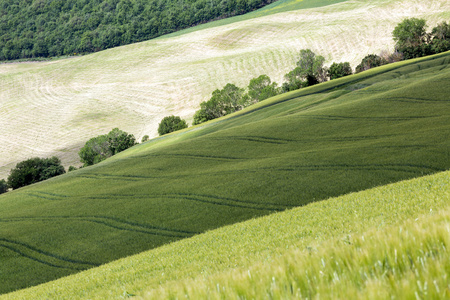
{"type": "Point", "coordinates": [53, 108]}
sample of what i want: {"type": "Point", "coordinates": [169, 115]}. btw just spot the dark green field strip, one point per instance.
{"type": "Point", "coordinates": [367, 118]}
{"type": "Point", "coordinates": [281, 141]}
{"type": "Point", "coordinates": [224, 201]}
{"type": "Point", "coordinates": [406, 168]}
{"type": "Point", "coordinates": [117, 177]}
{"type": "Point", "coordinates": [44, 257]}
{"type": "Point", "coordinates": [112, 222]}
{"type": "Point", "coordinates": [412, 100]}
{"type": "Point", "coordinates": [193, 156]}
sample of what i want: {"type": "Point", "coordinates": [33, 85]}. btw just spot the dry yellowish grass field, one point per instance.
{"type": "Point", "coordinates": [53, 108]}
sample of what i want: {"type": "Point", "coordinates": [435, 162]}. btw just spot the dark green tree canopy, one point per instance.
{"type": "Point", "coordinates": [440, 38]}
{"type": "Point", "coordinates": [101, 147]}
{"type": "Point", "coordinates": [171, 124]}
{"type": "Point", "coordinates": [34, 170]}
{"type": "Point", "coordinates": [45, 28]}
{"type": "Point", "coordinates": [3, 186]}
{"type": "Point", "coordinates": [309, 71]}
{"type": "Point", "coordinates": [411, 38]}
{"type": "Point", "coordinates": [261, 88]}
{"type": "Point", "coordinates": [410, 33]}
{"type": "Point", "coordinates": [370, 61]}
{"type": "Point", "coordinates": [338, 70]}
{"type": "Point", "coordinates": [223, 102]}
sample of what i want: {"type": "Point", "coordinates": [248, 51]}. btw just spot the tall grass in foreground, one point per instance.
{"type": "Point", "coordinates": [284, 246]}
{"type": "Point", "coordinates": [411, 261]}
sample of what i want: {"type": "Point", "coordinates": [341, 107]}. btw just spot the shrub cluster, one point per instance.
{"type": "Point", "coordinates": [412, 40]}
{"type": "Point", "coordinates": [171, 124]}
{"type": "Point", "coordinates": [101, 147]}
{"type": "Point", "coordinates": [33, 170]}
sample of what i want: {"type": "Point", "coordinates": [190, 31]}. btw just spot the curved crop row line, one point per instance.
{"type": "Point", "coordinates": [409, 168]}
{"type": "Point", "coordinates": [415, 100]}
{"type": "Point", "coordinates": [368, 118]}
{"type": "Point", "coordinates": [201, 198]}
{"type": "Point", "coordinates": [6, 243]}
{"type": "Point", "coordinates": [189, 196]}
{"type": "Point", "coordinates": [320, 139]}
{"type": "Point", "coordinates": [103, 220]}
{"type": "Point", "coordinates": [37, 259]}
{"type": "Point", "coordinates": [194, 156]}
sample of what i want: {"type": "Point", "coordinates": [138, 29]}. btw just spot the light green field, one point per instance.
{"type": "Point", "coordinates": [381, 126]}
{"type": "Point", "coordinates": [388, 241]}
{"type": "Point", "coordinates": [53, 108]}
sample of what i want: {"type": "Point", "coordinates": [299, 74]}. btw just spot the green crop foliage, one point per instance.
{"type": "Point", "coordinates": [381, 126]}
{"type": "Point", "coordinates": [243, 258]}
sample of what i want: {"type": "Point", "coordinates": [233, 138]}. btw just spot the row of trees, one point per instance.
{"type": "Point", "coordinates": [42, 28]}
{"type": "Point", "coordinates": [411, 41]}
{"type": "Point", "coordinates": [94, 151]}
{"type": "Point", "coordinates": [308, 71]}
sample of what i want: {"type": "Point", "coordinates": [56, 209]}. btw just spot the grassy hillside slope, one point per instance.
{"type": "Point", "coordinates": [366, 130]}
{"type": "Point", "coordinates": [339, 237]}
{"type": "Point", "coordinates": [53, 108]}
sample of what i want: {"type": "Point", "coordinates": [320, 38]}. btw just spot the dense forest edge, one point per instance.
{"type": "Point", "coordinates": [31, 29]}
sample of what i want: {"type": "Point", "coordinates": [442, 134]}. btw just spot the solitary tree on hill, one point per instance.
{"type": "Point", "coordinates": [171, 124]}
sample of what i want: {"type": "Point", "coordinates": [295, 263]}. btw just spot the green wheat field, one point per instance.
{"type": "Point", "coordinates": [363, 131]}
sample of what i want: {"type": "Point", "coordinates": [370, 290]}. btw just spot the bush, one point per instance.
{"type": "Point", "coordinates": [144, 138]}
{"type": "Point", "coordinates": [309, 71]}
{"type": "Point", "coordinates": [338, 70]}
{"type": "Point", "coordinates": [171, 124]}
{"type": "Point", "coordinates": [370, 61]}
{"type": "Point", "coordinates": [71, 168]}
{"type": "Point", "coordinates": [34, 170]}
{"type": "Point", "coordinates": [261, 88]}
{"type": "Point", "coordinates": [101, 147]}
{"type": "Point", "coordinates": [411, 38]}
{"type": "Point", "coordinates": [440, 38]}
{"type": "Point", "coordinates": [222, 102]}
{"type": "Point", "coordinates": [3, 186]}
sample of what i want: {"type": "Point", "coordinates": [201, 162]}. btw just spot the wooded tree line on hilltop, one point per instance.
{"type": "Point", "coordinates": [411, 39]}
{"type": "Point", "coordinates": [48, 28]}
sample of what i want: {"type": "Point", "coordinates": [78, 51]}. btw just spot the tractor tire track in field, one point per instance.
{"type": "Point", "coordinates": [195, 156]}
{"type": "Point", "coordinates": [407, 168]}
{"type": "Point", "coordinates": [112, 222]}
{"type": "Point", "coordinates": [209, 199]}
{"type": "Point", "coordinates": [280, 141]}
{"type": "Point", "coordinates": [366, 118]}
{"type": "Point", "coordinates": [258, 139]}
{"type": "Point", "coordinates": [415, 100]}
{"type": "Point", "coordinates": [44, 257]}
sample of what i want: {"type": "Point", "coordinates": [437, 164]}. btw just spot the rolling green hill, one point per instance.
{"type": "Point", "coordinates": [54, 107]}
{"type": "Point", "coordinates": [384, 125]}
{"type": "Point", "coordinates": [331, 248]}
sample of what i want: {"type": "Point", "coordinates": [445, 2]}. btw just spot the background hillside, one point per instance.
{"type": "Point", "coordinates": [380, 126]}
{"type": "Point", "coordinates": [55, 28]}
{"type": "Point", "coordinates": [53, 108]}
